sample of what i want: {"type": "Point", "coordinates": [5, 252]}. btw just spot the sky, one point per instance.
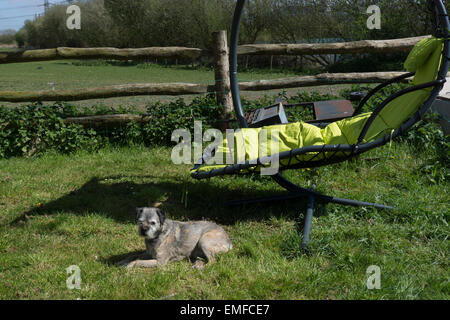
{"type": "Point", "coordinates": [13, 13]}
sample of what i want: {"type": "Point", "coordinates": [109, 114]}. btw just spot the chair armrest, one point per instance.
{"type": "Point", "coordinates": [391, 98]}
{"type": "Point", "coordinates": [378, 88]}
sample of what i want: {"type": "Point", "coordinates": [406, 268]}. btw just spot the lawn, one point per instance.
{"type": "Point", "coordinates": [62, 210]}
{"type": "Point", "coordinates": [73, 74]}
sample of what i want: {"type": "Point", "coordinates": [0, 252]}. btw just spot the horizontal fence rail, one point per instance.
{"type": "Point", "coordinates": [101, 53]}
{"type": "Point", "coordinates": [364, 46]}
{"type": "Point", "coordinates": [176, 89]}
{"type": "Point", "coordinates": [123, 90]}
{"type": "Point", "coordinates": [219, 55]}
{"type": "Point", "coordinates": [319, 80]}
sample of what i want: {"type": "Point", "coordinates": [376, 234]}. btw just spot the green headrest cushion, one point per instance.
{"type": "Point", "coordinates": [420, 54]}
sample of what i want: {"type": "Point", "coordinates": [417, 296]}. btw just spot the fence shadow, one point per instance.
{"type": "Point", "coordinates": [118, 200]}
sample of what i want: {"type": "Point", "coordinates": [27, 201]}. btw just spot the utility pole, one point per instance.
{"type": "Point", "coordinates": [46, 5]}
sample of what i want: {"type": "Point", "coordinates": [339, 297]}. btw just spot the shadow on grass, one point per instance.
{"type": "Point", "coordinates": [115, 259]}
{"type": "Point", "coordinates": [117, 197]}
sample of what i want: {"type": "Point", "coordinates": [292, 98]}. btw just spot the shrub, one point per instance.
{"type": "Point", "coordinates": [34, 128]}
{"type": "Point", "coordinates": [427, 138]}
{"type": "Point", "coordinates": [164, 119]}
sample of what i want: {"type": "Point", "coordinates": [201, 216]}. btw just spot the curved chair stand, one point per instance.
{"type": "Point", "coordinates": [331, 153]}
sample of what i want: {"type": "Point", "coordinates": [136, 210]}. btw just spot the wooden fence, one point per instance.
{"type": "Point", "coordinates": [219, 55]}
{"type": "Point", "coordinates": [174, 89]}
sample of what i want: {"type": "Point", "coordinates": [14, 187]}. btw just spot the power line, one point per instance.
{"type": "Point", "coordinates": [61, 2]}
{"type": "Point", "coordinates": [16, 17]}
{"type": "Point", "coordinates": [22, 7]}
{"type": "Point", "coordinates": [46, 6]}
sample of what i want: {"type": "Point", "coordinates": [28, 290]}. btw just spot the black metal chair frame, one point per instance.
{"type": "Point", "coordinates": [330, 152]}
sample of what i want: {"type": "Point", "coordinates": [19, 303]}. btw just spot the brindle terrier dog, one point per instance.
{"type": "Point", "coordinates": [167, 240]}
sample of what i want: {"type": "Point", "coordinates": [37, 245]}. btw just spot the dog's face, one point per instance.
{"type": "Point", "coordinates": [150, 221]}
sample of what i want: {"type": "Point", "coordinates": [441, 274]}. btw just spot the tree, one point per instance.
{"type": "Point", "coordinates": [131, 20]}
{"type": "Point", "coordinates": [141, 23]}
{"type": "Point", "coordinates": [7, 36]}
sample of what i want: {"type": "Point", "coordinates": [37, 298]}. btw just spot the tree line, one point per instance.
{"type": "Point", "coordinates": [7, 36]}
{"type": "Point", "coordinates": [143, 23]}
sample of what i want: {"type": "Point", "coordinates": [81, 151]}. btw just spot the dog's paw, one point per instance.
{"type": "Point", "coordinates": [199, 265]}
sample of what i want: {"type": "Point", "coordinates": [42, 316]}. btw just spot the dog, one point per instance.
{"type": "Point", "coordinates": [167, 240]}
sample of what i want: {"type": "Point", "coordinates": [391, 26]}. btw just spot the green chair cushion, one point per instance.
{"type": "Point", "coordinates": [426, 65]}
{"type": "Point", "coordinates": [419, 54]}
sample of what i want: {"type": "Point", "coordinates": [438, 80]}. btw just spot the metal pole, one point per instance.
{"type": "Point", "coordinates": [233, 64]}
{"type": "Point", "coordinates": [308, 221]}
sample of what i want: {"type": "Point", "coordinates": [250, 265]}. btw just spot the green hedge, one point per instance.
{"type": "Point", "coordinates": [35, 128]}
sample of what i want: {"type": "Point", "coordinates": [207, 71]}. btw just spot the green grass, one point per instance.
{"type": "Point", "coordinates": [85, 218]}
{"type": "Point", "coordinates": [70, 74]}
{"type": "Point", "coordinates": [73, 74]}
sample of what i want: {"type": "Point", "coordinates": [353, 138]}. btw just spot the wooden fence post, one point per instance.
{"type": "Point", "coordinates": [222, 72]}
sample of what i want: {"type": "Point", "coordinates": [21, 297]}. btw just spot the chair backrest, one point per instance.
{"type": "Point", "coordinates": [424, 60]}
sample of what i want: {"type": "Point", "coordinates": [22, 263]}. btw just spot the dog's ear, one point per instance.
{"type": "Point", "coordinates": [139, 212]}
{"type": "Point", "coordinates": [161, 215]}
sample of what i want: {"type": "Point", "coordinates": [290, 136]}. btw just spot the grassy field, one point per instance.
{"type": "Point", "coordinates": [57, 211]}
{"type": "Point", "coordinates": [70, 74]}
{"type": "Point", "coordinates": [62, 210]}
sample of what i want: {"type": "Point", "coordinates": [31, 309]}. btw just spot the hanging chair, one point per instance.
{"type": "Point", "coordinates": [304, 145]}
